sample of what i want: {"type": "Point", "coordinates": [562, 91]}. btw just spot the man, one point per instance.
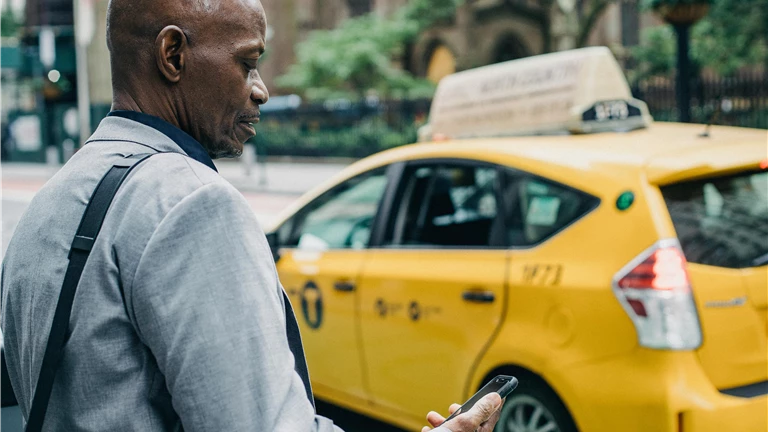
{"type": "Point", "coordinates": [179, 319]}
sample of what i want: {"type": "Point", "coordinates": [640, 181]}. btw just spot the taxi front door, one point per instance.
{"type": "Point", "coordinates": [324, 249]}
{"type": "Point", "coordinates": [432, 293]}
{"type": "Point", "coordinates": [316, 283]}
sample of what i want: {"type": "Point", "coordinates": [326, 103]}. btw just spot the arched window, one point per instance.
{"type": "Point", "coordinates": [508, 48]}
{"type": "Point", "coordinates": [441, 62]}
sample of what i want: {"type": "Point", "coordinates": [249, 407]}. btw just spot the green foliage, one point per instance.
{"type": "Point", "coordinates": [357, 56]}
{"type": "Point", "coordinates": [425, 13]}
{"type": "Point", "coordinates": [9, 23]}
{"type": "Point", "coordinates": [734, 34]}
{"type": "Point", "coordinates": [363, 139]}
{"type": "Point", "coordinates": [653, 4]}
{"type": "Point", "coordinates": [655, 56]}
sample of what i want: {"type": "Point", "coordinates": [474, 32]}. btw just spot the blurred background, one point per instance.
{"type": "Point", "coordinates": [351, 77]}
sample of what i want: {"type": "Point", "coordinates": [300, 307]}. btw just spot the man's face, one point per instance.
{"type": "Point", "coordinates": [221, 89]}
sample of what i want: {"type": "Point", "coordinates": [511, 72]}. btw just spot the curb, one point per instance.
{"type": "Point", "coordinates": [298, 160]}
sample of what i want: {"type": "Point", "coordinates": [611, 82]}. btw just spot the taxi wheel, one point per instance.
{"type": "Point", "coordinates": [534, 407]}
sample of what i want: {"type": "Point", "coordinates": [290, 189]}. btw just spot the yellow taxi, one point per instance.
{"type": "Point", "coordinates": [548, 229]}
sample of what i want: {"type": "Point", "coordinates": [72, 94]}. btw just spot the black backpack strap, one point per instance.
{"type": "Point", "coordinates": [89, 228]}
{"type": "Point", "coordinates": [296, 347]}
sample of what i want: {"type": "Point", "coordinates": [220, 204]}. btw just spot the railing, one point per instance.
{"type": "Point", "coordinates": [340, 128]}
{"type": "Point", "coordinates": [741, 100]}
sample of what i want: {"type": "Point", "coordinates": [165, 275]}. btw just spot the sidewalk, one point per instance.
{"type": "Point", "coordinates": [279, 177]}
{"type": "Point", "coordinates": [267, 195]}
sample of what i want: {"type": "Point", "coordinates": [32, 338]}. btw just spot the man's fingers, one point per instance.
{"type": "Point", "coordinates": [484, 409]}
{"type": "Point", "coordinates": [435, 419]}
{"type": "Point", "coordinates": [482, 417]}
{"type": "Point", "coordinates": [491, 423]}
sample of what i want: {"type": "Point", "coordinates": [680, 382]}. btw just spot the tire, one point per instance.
{"type": "Point", "coordinates": [534, 407]}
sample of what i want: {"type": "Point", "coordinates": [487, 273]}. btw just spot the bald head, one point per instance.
{"type": "Point", "coordinates": [133, 25]}
{"type": "Point", "coordinates": [190, 62]}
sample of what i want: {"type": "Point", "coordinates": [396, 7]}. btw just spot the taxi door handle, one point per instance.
{"type": "Point", "coordinates": [345, 286]}
{"type": "Point", "coordinates": [478, 296]}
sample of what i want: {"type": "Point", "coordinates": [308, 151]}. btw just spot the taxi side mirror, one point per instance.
{"type": "Point", "coordinates": [274, 245]}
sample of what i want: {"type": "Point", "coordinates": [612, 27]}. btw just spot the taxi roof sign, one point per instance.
{"type": "Point", "coordinates": [577, 91]}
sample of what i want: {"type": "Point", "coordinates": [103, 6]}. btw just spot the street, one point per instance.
{"type": "Point", "coordinates": [284, 184]}
{"type": "Point", "coordinates": [267, 194]}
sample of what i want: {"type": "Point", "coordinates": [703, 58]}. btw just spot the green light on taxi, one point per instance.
{"type": "Point", "coordinates": [625, 200]}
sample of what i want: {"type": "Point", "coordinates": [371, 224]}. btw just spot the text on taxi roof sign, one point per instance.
{"type": "Point", "coordinates": [577, 91]}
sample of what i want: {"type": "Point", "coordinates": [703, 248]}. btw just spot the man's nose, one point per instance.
{"type": "Point", "coordinates": [259, 93]}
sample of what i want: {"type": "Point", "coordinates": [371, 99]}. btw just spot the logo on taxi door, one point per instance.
{"type": "Point", "coordinates": [414, 311]}
{"type": "Point", "coordinates": [312, 305]}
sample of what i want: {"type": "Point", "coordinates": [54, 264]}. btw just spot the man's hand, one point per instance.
{"type": "Point", "coordinates": [481, 418]}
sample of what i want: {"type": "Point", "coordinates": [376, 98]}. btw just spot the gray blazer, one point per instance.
{"type": "Point", "coordinates": [178, 321]}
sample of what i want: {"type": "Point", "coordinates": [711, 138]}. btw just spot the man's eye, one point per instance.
{"type": "Point", "coordinates": [252, 64]}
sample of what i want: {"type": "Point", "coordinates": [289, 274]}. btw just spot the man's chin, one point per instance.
{"type": "Point", "coordinates": [231, 150]}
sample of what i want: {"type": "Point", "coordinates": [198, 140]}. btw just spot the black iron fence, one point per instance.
{"type": "Point", "coordinates": [340, 128]}
{"type": "Point", "coordinates": [740, 100]}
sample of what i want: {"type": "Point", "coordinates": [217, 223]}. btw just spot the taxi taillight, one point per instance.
{"type": "Point", "coordinates": [655, 291]}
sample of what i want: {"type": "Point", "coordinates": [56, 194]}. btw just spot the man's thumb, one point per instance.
{"type": "Point", "coordinates": [484, 408]}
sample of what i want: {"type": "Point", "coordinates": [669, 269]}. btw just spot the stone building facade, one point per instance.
{"type": "Point", "coordinates": [482, 32]}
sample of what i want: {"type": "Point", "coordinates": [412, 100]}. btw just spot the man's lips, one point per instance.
{"type": "Point", "coordinates": [248, 127]}
{"type": "Point", "coordinates": [246, 122]}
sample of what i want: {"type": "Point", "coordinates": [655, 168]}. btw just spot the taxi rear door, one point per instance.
{"type": "Point", "coordinates": [432, 292]}
{"type": "Point", "coordinates": [323, 247]}
{"type": "Point", "coordinates": [722, 224]}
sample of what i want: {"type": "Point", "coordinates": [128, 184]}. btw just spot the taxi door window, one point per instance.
{"type": "Point", "coordinates": [339, 219]}
{"type": "Point", "coordinates": [447, 206]}
{"type": "Point", "coordinates": [539, 208]}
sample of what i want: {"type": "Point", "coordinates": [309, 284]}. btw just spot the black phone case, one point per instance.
{"type": "Point", "coordinates": [504, 391]}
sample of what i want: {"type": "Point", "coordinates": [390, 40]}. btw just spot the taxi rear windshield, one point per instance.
{"type": "Point", "coordinates": [722, 221]}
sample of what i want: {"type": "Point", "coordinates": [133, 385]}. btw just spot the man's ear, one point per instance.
{"type": "Point", "coordinates": [170, 51]}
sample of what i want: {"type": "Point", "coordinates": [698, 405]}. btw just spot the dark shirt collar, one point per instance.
{"type": "Point", "coordinates": [191, 147]}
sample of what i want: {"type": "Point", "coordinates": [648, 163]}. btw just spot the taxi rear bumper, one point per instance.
{"type": "Point", "coordinates": [731, 414]}
{"type": "Point", "coordinates": [661, 391]}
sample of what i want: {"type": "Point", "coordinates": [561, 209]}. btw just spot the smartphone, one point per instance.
{"type": "Point", "coordinates": [502, 384]}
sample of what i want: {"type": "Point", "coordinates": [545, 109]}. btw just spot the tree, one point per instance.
{"type": "Point", "coordinates": [9, 22]}
{"type": "Point", "coordinates": [575, 23]}
{"type": "Point", "coordinates": [358, 55]}
{"type": "Point", "coordinates": [734, 34]}
{"type": "Point", "coordinates": [655, 55]}
{"type": "Point", "coordinates": [587, 23]}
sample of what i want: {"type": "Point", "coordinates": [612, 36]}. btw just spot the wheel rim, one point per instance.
{"type": "Point", "coordinates": [526, 414]}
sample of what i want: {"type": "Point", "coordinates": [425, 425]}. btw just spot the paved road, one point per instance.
{"type": "Point", "coordinates": [268, 191]}
{"type": "Point", "coordinates": [284, 183]}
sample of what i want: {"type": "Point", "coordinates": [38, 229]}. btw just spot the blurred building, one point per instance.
{"type": "Point", "coordinates": [39, 78]}
{"type": "Point", "coordinates": [47, 37]}
{"type": "Point", "coordinates": [482, 32]}
{"type": "Point", "coordinates": [48, 13]}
